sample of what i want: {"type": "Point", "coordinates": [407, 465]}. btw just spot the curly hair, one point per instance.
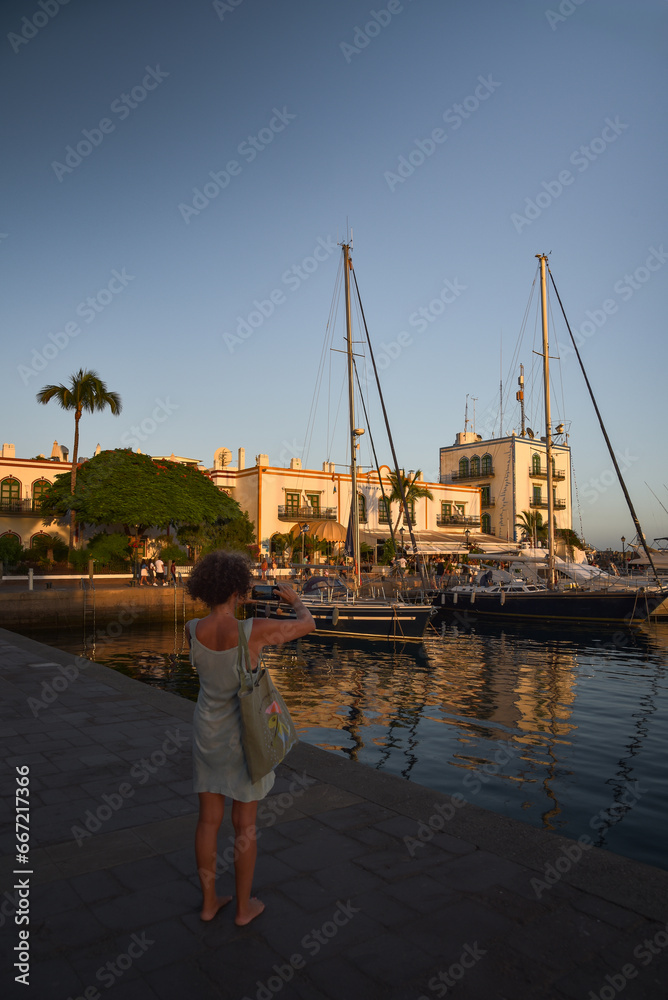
{"type": "Point", "coordinates": [218, 576]}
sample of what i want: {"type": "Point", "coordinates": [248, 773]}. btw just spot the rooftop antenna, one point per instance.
{"type": "Point", "coordinates": [466, 413]}
{"type": "Point", "coordinates": [474, 398]}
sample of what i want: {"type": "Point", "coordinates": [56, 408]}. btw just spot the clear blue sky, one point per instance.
{"type": "Point", "coordinates": [314, 113]}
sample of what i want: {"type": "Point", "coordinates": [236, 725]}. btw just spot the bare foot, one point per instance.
{"type": "Point", "coordinates": [252, 910]}
{"type": "Point", "coordinates": [209, 911]}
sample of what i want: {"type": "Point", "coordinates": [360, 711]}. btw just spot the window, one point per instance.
{"type": "Point", "coordinates": [535, 463]}
{"type": "Point", "coordinates": [446, 509]}
{"type": "Point", "coordinates": [475, 465]}
{"type": "Point", "coordinates": [410, 504]}
{"type": "Point", "coordinates": [486, 465]}
{"type": "Point", "coordinates": [361, 508]}
{"type": "Point", "coordinates": [463, 467]}
{"type": "Point", "coordinates": [460, 509]}
{"type": "Point", "coordinates": [39, 488]}
{"type": "Point", "coordinates": [383, 511]}
{"type": "Point", "coordinates": [486, 524]}
{"type": "Point", "coordinates": [485, 496]}
{"type": "Point", "coordinates": [292, 502]}
{"type": "Point", "coordinates": [10, 490]}
{"type": "Point", "coordinates": [313, 500]}
{"type": "Point", "coordinates": [537, 495]}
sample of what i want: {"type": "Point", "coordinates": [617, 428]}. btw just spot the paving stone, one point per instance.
{"type": "Point", "coordinates": [186, 979]}
{"type": "Point", "coordinates": [147, 906]}
{"type": "Point", "coordinates": [93, 887]}
{"type": "Point", "coordinates": [305, 892]}
{"type": "Point", "coordinates": [422, 893]}
{"type": "Point", "coordinates": [342, 981]}
{"type": "Point", "coordinates": [445, 931]}
{"type": "Point", "coordinates": [478, 870]}
{"type": "Point", "coordinates": [603, 910]}
{"type": "Point", "coordinates": [171, 943]}
{"type": "Point", "coordinates": [388, 958]}
{"type": "Point", "coordinates": [144, 873]}
{"type": "Point", "coordinates": [54, 979]}
{"type": "Point", "coordinates": [344, 879]}
{"type": "Point", "coordinates": [565, 937]}
{"type": "Point", "coordinates": [309, 855]}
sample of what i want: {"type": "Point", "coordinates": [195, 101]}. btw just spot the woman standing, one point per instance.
{"type": "Point", "coordinates": [221, 580]}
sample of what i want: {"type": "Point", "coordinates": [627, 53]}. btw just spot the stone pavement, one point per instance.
{"type": "Point", "coordinates": [375, 887]}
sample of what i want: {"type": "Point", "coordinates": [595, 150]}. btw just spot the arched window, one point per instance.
{"type": "Point", "coordinates": [361, 508]}
{"type": "Point", "coordinates": [383, 511]}
{"type": "Point", "coordinates": [463, 468]}
{"type": "Point", "coordinates": [475, 465]}
{"type": "Point", "coordinates": [10, 489]}
{"type": "Point", "coordinates": [486, 465]}
{"type": "Point", "coordinates": [535, 462]}
{"type": "Point", "coordinates": [486, 524]}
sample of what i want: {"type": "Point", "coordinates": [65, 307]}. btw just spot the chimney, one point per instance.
{"type": "Point", "coordinates": [295, 463]}
{"type": "Point", "coordinates": [8, 451]}
{"type": "Point", "coordinates": [262, 460]}
{"type": "Point", "coordinates": [242, 459]}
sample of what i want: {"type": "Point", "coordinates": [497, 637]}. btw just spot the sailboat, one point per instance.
{"type": "Point", "coordinates": [583, 604]}
{"type": "Point", "coordinates": [337, 607]}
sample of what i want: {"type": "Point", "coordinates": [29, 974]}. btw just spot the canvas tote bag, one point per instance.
{"type": "Point", "coordinates": [267, 731]}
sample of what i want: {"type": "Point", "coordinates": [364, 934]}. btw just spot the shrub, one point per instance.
{"type": "Point", "coordinates": [11, 550]}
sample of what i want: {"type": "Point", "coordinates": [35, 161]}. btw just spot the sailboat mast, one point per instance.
{"type": "Point", "coordinates": [354, 510]}
{"type": "Point", "coordinates": [548, 423]}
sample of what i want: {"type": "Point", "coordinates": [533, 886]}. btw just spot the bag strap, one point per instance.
{"type": "Point", "coordinates": [243, 657]}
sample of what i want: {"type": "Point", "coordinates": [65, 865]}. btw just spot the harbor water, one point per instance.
{"type": "Point", "coordinates": [565, 729]}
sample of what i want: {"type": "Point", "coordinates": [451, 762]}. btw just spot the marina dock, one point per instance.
{"type": "Point", "coordinates": [375, 887]}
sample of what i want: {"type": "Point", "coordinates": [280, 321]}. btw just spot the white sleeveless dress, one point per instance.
{"type": "Point", "coordinates": [219, 763]}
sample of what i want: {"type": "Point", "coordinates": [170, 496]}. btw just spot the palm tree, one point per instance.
{"type": "Point", "coordinates": [531, 523]}
{"type": "Point", "coordinates": [413, 490]}
{"type": "Point", "coordinates": [86, 391]}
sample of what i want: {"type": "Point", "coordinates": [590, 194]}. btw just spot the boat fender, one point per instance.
{"type": "Point", "coordinates": [473, 597]}
{"type": "Point", "coordinates": [454, 597]}
{"type": "Point", "coordinates": [503, 597]}
{"type": "Point", "coordinates": [335, 616]}
{"type": "Point", "coordinates": [443, 599]}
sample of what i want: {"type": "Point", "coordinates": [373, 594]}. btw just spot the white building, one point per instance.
{"type": "Point", "coordinates": [276, 499]}
{"type": "Point", "coordinates": [511, 473]}
{"type": "Point", "coordinates": [22, 482]}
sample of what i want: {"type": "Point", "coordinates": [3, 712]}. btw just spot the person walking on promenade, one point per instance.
{"type": "Point", "coordinates": [143, 574]}
{"type": "Point", "coordinates": [172, 573]}
{"type": "Point", "coordinates": [151, 573]}
{"type": "Point", "coordinates": [264, 567]}
{"type": "Point", "coordinates": [221, 580]}
{"type": "Point", "coordinates": [160, 571]}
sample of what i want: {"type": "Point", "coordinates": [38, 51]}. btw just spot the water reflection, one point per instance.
{"type": "Point", "coordinates": [564, 729]}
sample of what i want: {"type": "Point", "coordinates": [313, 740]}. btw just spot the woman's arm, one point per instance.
{"type": "Point", "coordinates": [270, 632]}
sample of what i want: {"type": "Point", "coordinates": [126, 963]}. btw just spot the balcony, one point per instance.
{"type": "Point", "coordinates": [460, 520]}
{"type": "Point", "coordinates": [487, 502]}
{"type": "Point", "coordinates": [20, 507]}
{"type": "Point", "coordinates": [291, 513]}
{"type": "Point", "coordinates": [542, 504]}
{"type": "Point", "coordinates": [457, 476]}
{"type": "Point", "coordinates": [557, 475]}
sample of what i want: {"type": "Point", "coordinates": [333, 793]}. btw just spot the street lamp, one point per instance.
{"type": "Point", "coordinates": [304, 532]}
{"type": "Point", "coordinates": [402, 540]}
{"type": "Point", "coordinates": [467, 533]}
{"type": "Point", "coordinates": [623, 555]}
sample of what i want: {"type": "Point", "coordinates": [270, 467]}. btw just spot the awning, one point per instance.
{"type": "Point", "coordinates": [432, 543]}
